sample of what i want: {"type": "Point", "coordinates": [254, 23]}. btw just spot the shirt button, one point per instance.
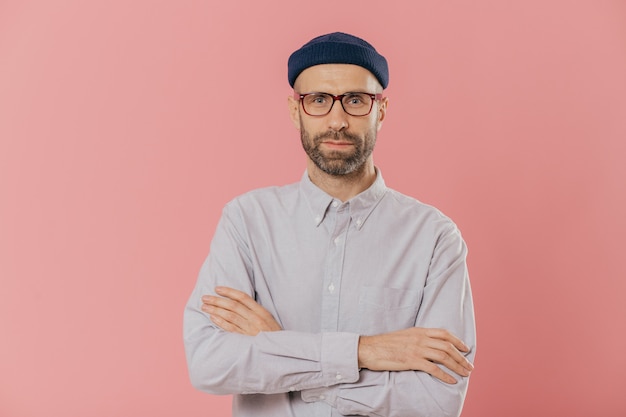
{"type": "Point", "coordinates": [292, 388]}
{"type": "Point", "coordinates": [335, 204]}
{"type": "Point", "coordinates": [339, 376]}
{"type": "Point", "coordinates": [322, 397]}
{"type": "Point", "coordinates": [337, 240]}
{"type": "Point", "coordinates": [331, 288]}
{"type": "Point", "coordinates": [358, 222]}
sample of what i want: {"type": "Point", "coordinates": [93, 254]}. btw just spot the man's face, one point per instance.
{"type": "Point", "coordinates": [338, 143]}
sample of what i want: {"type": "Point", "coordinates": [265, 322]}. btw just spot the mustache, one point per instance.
{"type": "Point", "coordinates": [343, 136]}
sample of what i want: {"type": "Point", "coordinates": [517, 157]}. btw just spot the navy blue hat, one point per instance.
{"type": "Point", "coordinates": [338, 48]}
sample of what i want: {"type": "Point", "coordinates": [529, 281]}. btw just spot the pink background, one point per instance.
{"type": "Point", "coordinates": [125, 126]}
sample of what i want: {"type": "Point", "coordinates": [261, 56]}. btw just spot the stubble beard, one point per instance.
{"type": "Point", "coordinates": [338, 163]}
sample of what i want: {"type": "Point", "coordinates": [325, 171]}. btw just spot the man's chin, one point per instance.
{"type": "Point", "coordinates": [336, 167]}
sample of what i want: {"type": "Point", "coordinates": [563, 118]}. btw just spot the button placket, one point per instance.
{"type": "Point", "coordinates": [334, 268]}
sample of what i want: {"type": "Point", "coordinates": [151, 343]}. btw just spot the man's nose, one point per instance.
{"type": "Point", "coordinates": [337, 117]}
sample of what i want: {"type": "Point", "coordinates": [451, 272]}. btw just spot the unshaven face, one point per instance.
{"type": "Point", "coordinates": [338, 143]}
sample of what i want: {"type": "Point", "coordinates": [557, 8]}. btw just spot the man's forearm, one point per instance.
{"type": "Point", "coordinates": [415, 349]}
{"type": "Point", "coordinates": [222, 362]}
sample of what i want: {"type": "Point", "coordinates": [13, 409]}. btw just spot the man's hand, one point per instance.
{"type": "Point", "coordinates": [417, 349]}
{"type": "Point", "coordinates": [236, 312]}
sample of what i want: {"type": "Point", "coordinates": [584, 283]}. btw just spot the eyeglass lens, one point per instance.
{"type": "Point", "coordinates": [355, 104]}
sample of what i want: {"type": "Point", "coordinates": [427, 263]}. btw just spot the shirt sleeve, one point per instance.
{"type": "Point", "coordinates": [447, 303]}
{"type": "Point", "coordinates": [220, 362]}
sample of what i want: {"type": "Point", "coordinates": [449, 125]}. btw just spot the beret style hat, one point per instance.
{"type": "Point", "coordinates": [338, 48]}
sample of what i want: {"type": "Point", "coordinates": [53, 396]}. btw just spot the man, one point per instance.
{"type": "Point", "coordinates": [336, 295]}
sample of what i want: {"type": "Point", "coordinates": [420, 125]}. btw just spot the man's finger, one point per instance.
{"type": "Point", "coordinates": [225, 325]}
{"type": "Point", "coordinates": [437, 372]}
{"type": "Point", "coordinates": [440, 357]}
{"type": "Point", "coordinates": [448, 337]}
{"type": "Point", "coordinates": [240, 297]}
{"type": "Point", "coordinates": [212, 304]}
{"type": "Point", "coordinates": [247, 301]}
{"type": "Point", "coordinates": [225, 319]}
{"type": "Point", "coordinates": [448, 355]}
{"type": "Point", "coordinates": [239, 310]}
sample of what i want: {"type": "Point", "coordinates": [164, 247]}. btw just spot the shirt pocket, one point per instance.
{"type": "Point", "coordinates": [383, 309]}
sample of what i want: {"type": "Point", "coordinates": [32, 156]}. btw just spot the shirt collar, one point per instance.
{"type": "Point", "coordinates": [361, 205]}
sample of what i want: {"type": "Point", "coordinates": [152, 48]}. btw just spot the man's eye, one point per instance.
{"type": "Point", "coordinates": [355, 99]}
{"type": "Point", "coordinates": [318, 99]}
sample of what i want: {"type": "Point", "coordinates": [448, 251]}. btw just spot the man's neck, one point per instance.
{"type": "Point", "coordinates": [343, 187]}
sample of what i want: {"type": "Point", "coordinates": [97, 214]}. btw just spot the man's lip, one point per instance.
{"type": "Point", "coordinates": [334, 142]}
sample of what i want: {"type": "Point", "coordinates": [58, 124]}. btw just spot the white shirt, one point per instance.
{"type": "Point", "coordinates": [328, 272]}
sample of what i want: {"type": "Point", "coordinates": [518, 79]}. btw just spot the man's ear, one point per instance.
{"type": "Point", "coordinates": [382, 111]}
{"type": "Point", "coordinates": [294, 111]}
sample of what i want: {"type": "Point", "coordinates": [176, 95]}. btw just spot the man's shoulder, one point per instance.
{"type": "Point", "coordinates": [266, 195]}
{"type": "Point", "coordinates": [407, 202]}
{"type": "Point", "coordinates": [407, 206]}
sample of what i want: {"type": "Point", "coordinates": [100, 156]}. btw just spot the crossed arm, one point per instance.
{"type": "Point", "coordinates": [398, 373]}
{"type": "Point", "coordinates": [417, 349]}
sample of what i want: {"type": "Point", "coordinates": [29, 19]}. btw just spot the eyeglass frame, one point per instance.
{"type": "Point", "coordinates": [339, 97]}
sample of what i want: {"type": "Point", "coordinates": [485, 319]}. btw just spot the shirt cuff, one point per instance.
{"type": "Point", "coordinates": [339, 361]}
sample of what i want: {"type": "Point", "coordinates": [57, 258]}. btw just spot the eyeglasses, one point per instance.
{"type": "Point", "coordinates": [320, 104]}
